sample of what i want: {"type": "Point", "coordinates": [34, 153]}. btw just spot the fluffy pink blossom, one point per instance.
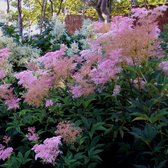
{"type": "Point", "coordinates": [76, 91]}
{"type": "Point", "coordinates": [49, 103]}
{"type": "Point", "coordinates": [105, 71]}
{"type": "Point", "coordinates": [49, 150]}
{"type": "Point", "coordinates": [51, 71]}
{"type": "Point", "coordinates": [2, 74]}
{"type": "Point", "coordinates": [12, 103]}
{"type": "Point", "coordinates": [32, 135]}
{"type": "Point", "coordinates": [6, 139]}
{"type": "Point", "coordinates": [5, 152]}
{"type": "Point", "coordinates": [26, 78]}
{"type": "Point", "coordinates": [37, 85]}
{"type": "Point", "coordinates": [68, 131]}
{"type": "Point", "coordinates": [49, 58]}
{"type": "Point", "coordinates": [6, 94]}
{"type": "Point", "coordinates": [120, 24]}
{"type": "Point", "coordinates": [116, 90]}
{"type": "Point", "coordinates": [139, 83]}
{"type": "Point", "coordinates": [164, 67]}
{"type": "Point", "coordinates": [4, 53]}
{"type": "Point", "coordinates": [139, 12]}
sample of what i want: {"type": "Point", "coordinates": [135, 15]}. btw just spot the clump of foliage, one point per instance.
{"type": "Point", "coordinates": [20, 55]}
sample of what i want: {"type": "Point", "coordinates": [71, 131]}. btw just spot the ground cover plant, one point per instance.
{"type": "Point", "coordinates": [103, 104]}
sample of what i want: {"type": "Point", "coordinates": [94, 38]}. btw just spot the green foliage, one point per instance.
{"type": "Point", "coordinates": [17, 161]}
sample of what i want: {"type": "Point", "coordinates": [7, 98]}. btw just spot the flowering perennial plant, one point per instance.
{"type": "Point", "coordinates": [37, 85]}
{"type": "Point", "coordinates": [49, 150]}
{"type": "Point", "coordinates": [5, 153]}
{"type": "Point", "coordinates": [127, 41]}
{"type": "Point", "coordinates": [68, 131]}
{"type": "Point", "coordinates": [32, 135]}
{"type": "Point", "coordinates": [125, 101]}
{"type": "Point", "coordinates": [4, 54]}
{"type": "Point", "coordinates": [6, 94]}
{"type": "Point", "coordinates": [164, 67]}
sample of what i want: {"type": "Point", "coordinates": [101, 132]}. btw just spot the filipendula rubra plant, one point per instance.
{"type": "Point", "coordinates": [126, 41]}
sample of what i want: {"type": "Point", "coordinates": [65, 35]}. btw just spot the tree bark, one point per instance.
{"type": "Point", "coordinates": [8, 6]}
{"type": "Point", "coordinates": [60, 7]}
{"type": "Point", "coordinates": [99, 11]}
{"type": "Point", "coordinates": [20, 21]}
{"type": "Point", "coordinates": [43, 12]}
{"type": "Point", "coordinates": [51, 7]}
{"type": "Point", "coordinates": [106, 7]}
{"type": "Point", "coordinates": [103, 7]}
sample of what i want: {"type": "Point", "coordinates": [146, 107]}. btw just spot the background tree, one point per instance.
{"type": "Point", "coordinates": [20, 21]}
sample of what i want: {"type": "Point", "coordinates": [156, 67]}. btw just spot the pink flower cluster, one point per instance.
{"type": "Point", "coordinates": [5, 153]}
{"type": "Point", "coordinates": [49, 103]}
{"type": "Point", "coordinates": [105, 71]}
{"type": "Point", "coordinates": [49, 150]}
{"type": "Point", "coordinates": [32, 135]}
{"type": "Point", "coordinates": [126, 41]}
{"type": "Point", "coordinates": [37, 85]}
{"type": "Point", "coordinates": [164, 67]}
{"type": "Point", "coordinates": [151, 14]}
{"type": "Point", "coordinates": [6, 139]}
{"type": "Point", "coordinates": [116, 90]}
{"type": "Point", "coordinates": [49, 71]}
{"type": "Point", "coordinates": [139, 83]}
{"type": "Point", "coordinates": [68, 131]}
{"type": "Point", "coordinates": [59, 66]}
{"type": "Point", "coordinates": [6, 94]}
{"type": "Point", "coordinates": [4, 53]}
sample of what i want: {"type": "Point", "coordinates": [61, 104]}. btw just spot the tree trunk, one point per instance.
{"type": "Point", "coordinates": [43, 12]}
{"type": "Point", "coordinates": [60, 7]}
{"type": "Point", "coordinates": [8, 6]}
{"type": "Point", "coordinates": [103, 7]}
{"type": "Point", "coordinates": [99, 11]}
{"type": "Point", "coordinates": [146, 4]}
{"type": "Point", "coordinates": [51, 7]}
{"type": "Point", "coordinates": [20, 21]}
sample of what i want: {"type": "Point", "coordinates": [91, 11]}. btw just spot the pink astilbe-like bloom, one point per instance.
{"type": "Point", "coordinates": [6, 94]}
{"type": "Point", "coordinates": [76, 91]}
{"type": "Point", "coordinates": [5, 153]}
{"type": "Point", "coordinates": [37, 85]}
{"type": "Point", "coordinates": [2, 74]}
{"type": "Point", "coordinates": [127, 41]}
{"type": "Point", "coordinates": [49, 150]}
{"type": "Point", "coordinates": [6, 139]}
{"type": "Point", "coordinates": [139, 12]}
{"type": "Point", "coordinates": [32, 135]}
{"type": "Point", "coordinates": [84, 87]}
{"type": "Point", "coordinates": [68, 131]}
{"type": "Point", "coordinates": [12, 103]}
{"type": "Point", "coordinates": [121, 24]}
{"type": "Point", "coordinates": [26, 78]}
{"type": "Point", "coordinates": [139, 83]}
{"type": "Point", "coordinates": [49, 103]}
{"type": "Point", "coordinates": [59, 66]}
{"type": "Point", "coordinates": [49, 58]}
{"type": "Point", "coordinates": [4, 53]}
{"type": "Point", "coordinates": [51, 70]}
{"type": "Point", "coordinates": [105, 71]}
{"type": "Point", "coordinates": [164, 67]}
{"type": "Point", "coordinates": [116, 90]}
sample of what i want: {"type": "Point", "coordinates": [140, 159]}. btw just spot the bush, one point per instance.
{"type": "Point", "coordinates": [104, 106]}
